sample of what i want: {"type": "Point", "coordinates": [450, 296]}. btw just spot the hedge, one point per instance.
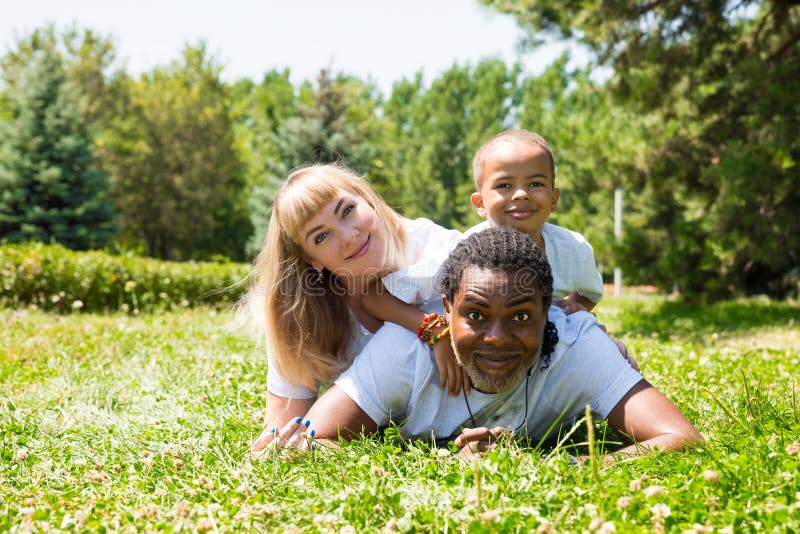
{"type": "Point", "coordinates": [54, 278]}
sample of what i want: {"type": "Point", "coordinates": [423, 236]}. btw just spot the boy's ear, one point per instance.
{"type": "Point", "coordinates": [554, 199]}
{"type": "Point", "coordinates": [477, 202]}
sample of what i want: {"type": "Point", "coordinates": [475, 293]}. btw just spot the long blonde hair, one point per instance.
{"type": "Point", "coordinates": [307, 325]}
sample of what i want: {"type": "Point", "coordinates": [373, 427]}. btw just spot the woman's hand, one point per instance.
{"type": "Point", "coordinates": [450, 373]}
{"type": "Point", "coordinates": [281, 412]}
{"type": "Point", "coordinates": [477, 441]}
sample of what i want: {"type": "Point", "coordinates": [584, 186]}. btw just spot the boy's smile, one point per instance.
{"type": "Point", "coordinates": [517, 188]}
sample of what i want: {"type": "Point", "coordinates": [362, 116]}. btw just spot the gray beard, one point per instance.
{"type": "Point", "coordinates": [492, 384]}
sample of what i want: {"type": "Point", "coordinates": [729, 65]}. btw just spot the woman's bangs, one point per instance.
{"type": "Point", "coordinates": [302, 200]}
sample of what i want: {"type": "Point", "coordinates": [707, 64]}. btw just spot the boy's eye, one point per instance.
{"type": "Point", "coordinates": [474, 316]}
{"type": "Point", "coordinates": [537, 184]}
{"type": "Point", "coordinates": [320, 237]}
{"type": "Point", "coordinates": [502, 186]}
{"type": "Point", "coordinates": [522, 316]}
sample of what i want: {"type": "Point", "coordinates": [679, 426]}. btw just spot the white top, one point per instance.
{"type": "Point", "coordinates": [425, 239]}
{"type": "Point", "coordinates": [585, 368]}
{"type": "Point", "coordinates": [570, 255]}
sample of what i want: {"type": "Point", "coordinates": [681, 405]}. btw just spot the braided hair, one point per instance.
{"type": "Point", "coordinates": [509, 250]}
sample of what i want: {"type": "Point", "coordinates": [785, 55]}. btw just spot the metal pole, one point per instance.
{"type": "Point", "coordinates": [617, 237]}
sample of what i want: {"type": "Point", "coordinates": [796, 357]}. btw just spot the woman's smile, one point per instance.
{"type": "Point", "coordinates": [363, 249]}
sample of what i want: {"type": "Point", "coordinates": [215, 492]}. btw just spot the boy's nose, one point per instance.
{"type": "Point", "coordinates": [520, 193]}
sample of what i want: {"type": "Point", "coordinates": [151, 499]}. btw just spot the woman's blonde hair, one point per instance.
{"type": "Point", "coordinates": [306, 321]}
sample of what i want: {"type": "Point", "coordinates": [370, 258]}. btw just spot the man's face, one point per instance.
{"type": "Point", "coordinates": [497, 324]}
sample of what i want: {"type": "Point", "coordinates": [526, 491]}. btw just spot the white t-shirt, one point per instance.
{"type": "Point", "coordinates": [570, 255]}
{"type": "Point", "coordinates": [425, 239]}
{"type": "Point", "coordinates": [585, 368]}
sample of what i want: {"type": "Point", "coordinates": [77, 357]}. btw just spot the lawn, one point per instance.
{"type": "Point", "coordinates": [142, 422]}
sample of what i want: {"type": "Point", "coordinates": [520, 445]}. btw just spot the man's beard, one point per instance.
{"type": "Point", "coordinates": [493, 383]}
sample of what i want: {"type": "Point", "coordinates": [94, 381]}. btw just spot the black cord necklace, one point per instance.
{"type": "Point", "coordinates": [524, 418]}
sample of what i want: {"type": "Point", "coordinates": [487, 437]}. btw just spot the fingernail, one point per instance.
{"type": "Point", "coordinates": [307, 423]}
{"type": "Point", "coordinates": [313, 447]}
{"type": "Point", "coordinates": [312, 433]}
{"type": "Point", "coordinates": [272, 430]}
{"type": "Point", "coordinates": [298, 420]}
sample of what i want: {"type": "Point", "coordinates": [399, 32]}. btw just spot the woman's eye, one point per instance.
{"type": "Point", "coordinates": [348, 210]}
{"type": "Point", "coordinates": [320, 237]}
{"type": "Point", "coordinates": [474, 316]}
{"type": "Point", "coordinates": [522, 316]}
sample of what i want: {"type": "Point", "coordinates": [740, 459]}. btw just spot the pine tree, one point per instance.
{"type": "Point", "coordinates": [50, 187]}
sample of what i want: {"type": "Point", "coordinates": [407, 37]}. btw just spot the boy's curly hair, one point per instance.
{"type": "Point", "coordinates": [507, 249]}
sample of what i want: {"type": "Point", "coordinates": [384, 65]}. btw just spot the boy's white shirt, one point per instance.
{"type": "Point", "coordinates": [570, 255]}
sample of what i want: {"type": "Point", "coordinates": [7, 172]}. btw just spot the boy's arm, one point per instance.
{"type": "Point", "coordinates": [575, 302]}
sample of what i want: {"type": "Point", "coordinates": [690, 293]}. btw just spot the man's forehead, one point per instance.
{"type": "Point", "coordinates": [488, 282]}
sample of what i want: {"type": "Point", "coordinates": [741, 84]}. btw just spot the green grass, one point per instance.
{"type": "Point", "coordinates": [122, 422]}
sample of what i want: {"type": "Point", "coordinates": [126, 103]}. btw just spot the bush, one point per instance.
{"type": "Point", "coordinates": [54, 278]}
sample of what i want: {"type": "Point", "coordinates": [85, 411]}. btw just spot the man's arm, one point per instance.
{"type": "Point", "coordinates": [648, 420]}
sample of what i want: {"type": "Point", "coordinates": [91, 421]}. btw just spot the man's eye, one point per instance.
{"type": "Point", "coordinates": [474, 316]}
{"type": "Point", "coordinates": [320, 237]}
{"type": "Point", "coordinates": [522, 316]}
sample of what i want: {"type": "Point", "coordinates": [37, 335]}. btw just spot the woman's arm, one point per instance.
{"type": "Point", "coordinates": [380, 303]}
{"type": "Point", "coordinates": [280, 410]}
{"type": "Point", "coordinates": [649, 420]}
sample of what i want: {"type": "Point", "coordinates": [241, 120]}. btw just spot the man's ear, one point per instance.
{"type": "Point", "coordinates": [554, 199]}
{"type": "Point", "coordinates": [477, 202]}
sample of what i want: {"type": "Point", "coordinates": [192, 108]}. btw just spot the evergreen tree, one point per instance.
{"type": "Point", "coordinates": [50, 187]}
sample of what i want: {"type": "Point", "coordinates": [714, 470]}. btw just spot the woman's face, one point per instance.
{"type": "Point", "coordinates": [346, 237]}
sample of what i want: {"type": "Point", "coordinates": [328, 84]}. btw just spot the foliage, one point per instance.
{"type": "Point", "coordinates": [716, 202]}
{"type": "Point", "coordinates": [51, 186]}
{"type": "Point", "coordinates": [120, 422]}
{"type": "Point", "coordinates": [50, 277]}
{"type": "Point", "coordinates": [177, 181]}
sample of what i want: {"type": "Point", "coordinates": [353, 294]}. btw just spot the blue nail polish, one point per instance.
{"type": "Point", "coordinates": [298, 420]}
{"type": "Point", "coordinates": [272, 430]}
{"type": "Point", "coordinates": [307, 423]}
{"type": "Point", "coordinates": [312, 433]}
{"type": "Point", "coordinates": [313, 447]}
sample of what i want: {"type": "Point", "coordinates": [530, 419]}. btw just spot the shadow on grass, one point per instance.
{"type": "Point", "coordinates": [691, 319]}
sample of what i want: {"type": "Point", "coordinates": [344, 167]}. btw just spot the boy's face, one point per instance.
{"type": "Point", "coordinates": [516, 188]}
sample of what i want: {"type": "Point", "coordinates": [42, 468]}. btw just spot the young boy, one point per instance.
{"type": "Point", "coordinates": [514, 176]}
{"type": "Point", "coordinates": [515, 186]}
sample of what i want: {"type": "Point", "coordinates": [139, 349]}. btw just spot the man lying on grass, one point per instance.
{"type": "Point", "coordinates": [530, 365]}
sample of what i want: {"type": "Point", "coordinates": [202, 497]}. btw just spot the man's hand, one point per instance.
{"type": "Point", "coordinates": [477, 441]}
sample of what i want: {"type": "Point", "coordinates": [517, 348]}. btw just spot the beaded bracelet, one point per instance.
{"type": "Point", "coordinates": [429, 322]}
{"type": "Point", "coordinates": [432, 341]}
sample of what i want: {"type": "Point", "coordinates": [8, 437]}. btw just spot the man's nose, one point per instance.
{"type": "Point", "coordinates": [497, 334]}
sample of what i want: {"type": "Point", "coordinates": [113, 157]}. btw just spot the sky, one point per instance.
{"type": "Point", "coordinates": [384, 41]}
